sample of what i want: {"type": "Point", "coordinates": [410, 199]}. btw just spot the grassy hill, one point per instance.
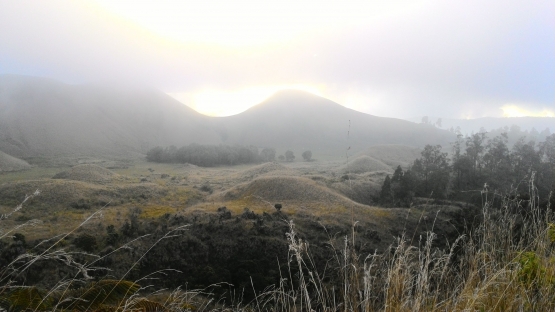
{"type": "Point", "coordinates": [42, 118]}
{"type": "Point", "coordinates": [301, 121]}
{"type": "Point", "coordinates": [10, 163]}
{"type": "Point", "coordinates": [46, 118]}
{"type": "Point", "coordinates": [393, 155]}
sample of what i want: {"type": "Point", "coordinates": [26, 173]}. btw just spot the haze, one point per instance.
{"type": "Point", "coordinates": [396, 59]}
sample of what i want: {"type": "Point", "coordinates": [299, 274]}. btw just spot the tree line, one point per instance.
{"type": "Point", "coordinates": [215, 155]}
{"type": "Point", "coordinates": [476, 163]}
{"type": "Point", "coordinates": [210, 155]}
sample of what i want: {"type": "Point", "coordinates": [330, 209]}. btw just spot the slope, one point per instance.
{"type": "Point", "coordinates": [10, 163]}
{"type": "Point", "coordinates": [42, 117]}
{"type": "Point", "coordinates": [299, 121]}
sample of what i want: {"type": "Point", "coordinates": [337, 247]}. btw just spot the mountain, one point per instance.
{"type": "Point", "coordinates": [43, 117]}
{"type": "Point", "coordinates": [299, 121]}
{"type": "Point", "coordinates": [468, 126]}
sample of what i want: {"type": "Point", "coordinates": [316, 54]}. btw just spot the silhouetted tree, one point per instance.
{"type": "Point", "coordinates": [386, 195]}
{"type": "Point", "coordinates": [268, 154]}
{"type": "Point", "coordinates": [289, 156]}
{"type": "Point", "coordinates": [307, 155]}
{"type": "Point", "coordinates": [433, 171]}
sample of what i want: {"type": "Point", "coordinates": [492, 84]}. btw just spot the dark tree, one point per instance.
{"type": "Point", "coordinates": [497, 162]}
{"type": "Point", "coordinates": [155, 154]}
{"type": "Point", "coordinates": [307, 155]}
{"type": "Point", "coordinates": [433, 171]}
{"type": "Point", "coordinates": [289, 156]}
{"type": "Point", "coordinates": [386, 195]}
{"type": "Point", "coordinates": [268, 154]}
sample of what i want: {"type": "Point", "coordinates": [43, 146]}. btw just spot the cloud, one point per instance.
{"type": "Point", "coordinates": [513, 110]}
{"type": "Point", "coordinates": [401, 58]}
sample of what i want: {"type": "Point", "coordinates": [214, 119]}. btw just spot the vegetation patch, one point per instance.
{"type": "Point", "coordinates": [153, 211]}
{"type": "Point", "coordinates": [88, 173]}
{"type": "Point", "coordinates": [364, 164]}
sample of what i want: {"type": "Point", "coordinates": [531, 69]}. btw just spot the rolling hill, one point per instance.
{"type": "Point", "coordinates": [299, 121]}
{"type": "Point", "coordinates": [10, 163]}
{"type": "Point", "coordinates": [44, 118]}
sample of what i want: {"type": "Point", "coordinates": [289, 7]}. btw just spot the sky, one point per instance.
{"type": "Point", "coordinates": [396, 58]}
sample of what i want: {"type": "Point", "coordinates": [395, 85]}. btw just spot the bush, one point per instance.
{"type": "Point", "coordinates": [85, 242]}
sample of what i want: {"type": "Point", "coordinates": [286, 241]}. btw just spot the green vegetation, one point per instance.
{"type": "Point", "coordinates": [206, 155]}
{"type": "Point", "coordinates": [281, 237]}
{"type": "Point", "coordinates": [505, 263]}
{"type": "Point", "coordinates": [481, 166]}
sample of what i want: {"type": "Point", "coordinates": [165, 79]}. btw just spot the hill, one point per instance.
{"type": "Point", "coordinates": [301, 121]}
{"type": "Point", "coordinates": [88, 173]}
{"type": "Point", "coordinates": [468, 126]}
{"type": "Point", "coordinates": [10, 163]}
{"type": "Point", "coordinates": [43, 117]}
{"type": "Point", "coordinates": [364, 164]}
{"type": "Point", "coordinates": [393, 155]}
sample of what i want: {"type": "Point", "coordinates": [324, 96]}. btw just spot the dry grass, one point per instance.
{"type": "Point", "coordinates": [393, 155]}
{"type": "Point", "coordinates": [365, 164]}
{"type": "Point", "coordinates": [9, 163]}
{"type": "Point", "coordinates": [89, 173]}
{"type": "Point", "coordinates": [505, 264]}
{"type": "Point", "coordinates": [285, 188]}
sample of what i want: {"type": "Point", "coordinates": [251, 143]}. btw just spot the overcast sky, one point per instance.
{"type": "Point", "coordinates": [453, 59]}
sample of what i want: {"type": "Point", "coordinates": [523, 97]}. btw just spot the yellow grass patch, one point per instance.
{"type": "Point", "coordinates": [155, 211]}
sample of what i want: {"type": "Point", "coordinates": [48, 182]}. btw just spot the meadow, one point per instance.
{"type": "Point", "coordinates": [177, 237]}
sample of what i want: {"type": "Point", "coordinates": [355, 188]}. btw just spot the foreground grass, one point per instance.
{"type": "Point", "coordinates": [507, 263]}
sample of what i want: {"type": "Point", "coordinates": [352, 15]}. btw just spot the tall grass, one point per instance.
{"type": "Point", "coordinates": [506, 263]}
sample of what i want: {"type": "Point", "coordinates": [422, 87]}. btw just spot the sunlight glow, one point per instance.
{"type": "Point", "coordinates": [239, 23]}
{"type": "Point", "coordinates": [214, 102]}
{"type": "Point", "coordinates": [512, 110]}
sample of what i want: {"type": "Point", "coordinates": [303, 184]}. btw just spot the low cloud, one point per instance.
{"type": "Point", "coordinates": [404, 59]}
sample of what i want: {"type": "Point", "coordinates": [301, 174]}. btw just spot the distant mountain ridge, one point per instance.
{"type": "Point", "coordinates": [468, 126]}
{"type": "Point", "coordinates": [45, 118]}
{"type": "Point", "coordinates": [302, 120]}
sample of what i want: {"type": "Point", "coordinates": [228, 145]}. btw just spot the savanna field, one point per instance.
{"type": "Point", "coordinates": [391, 228]}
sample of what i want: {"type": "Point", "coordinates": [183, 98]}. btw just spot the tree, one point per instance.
{"type": "Point", "coordinates": [281, 158]}
{"type": "Point", "coordinates": [474, 151]}
{"type": "Point", "coordinates": [525, 159]}
{"type": "Point", "coordinates": [155, 154]}
{"type": "Point", "coordinates": [307, 155]}
{"type": "Point", "coordinates": [497, 162]}
{"type": "Point", "coordinates": [438, 123]}
{"type": "Point", "coordinates": [386, 193]}
{"type": "Point", "coordinates": [289, 156]}
{"type": "Point", "coordinates": [268, 154]}
{"type": "Point", "coordinates": [433, 170]}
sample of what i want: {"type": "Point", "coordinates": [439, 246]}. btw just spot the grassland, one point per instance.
{"type": "Point", "coordinates": [234, 230]}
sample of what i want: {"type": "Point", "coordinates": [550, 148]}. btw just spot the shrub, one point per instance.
{"type": "Point", "coordinates": [85, 242]}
